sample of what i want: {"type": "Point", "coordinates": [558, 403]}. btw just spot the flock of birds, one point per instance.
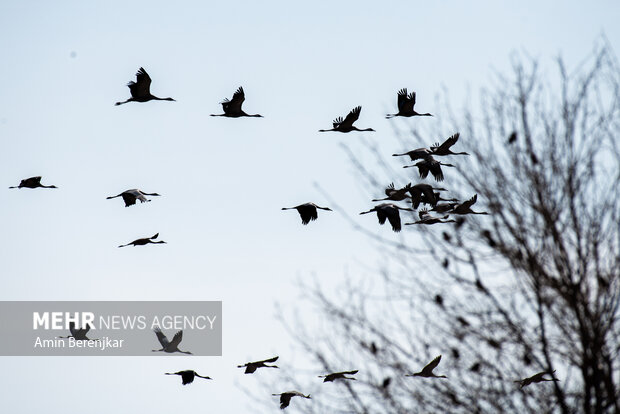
{"type": "Point", "coordinates": [416, 195]}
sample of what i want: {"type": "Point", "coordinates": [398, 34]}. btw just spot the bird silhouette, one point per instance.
{"type": "Point", "coordinates": [187, 376]}
{"type": "Point", "coordinates": [338, 376]}
{"type": "Point", "coordinates": [141, 89]}
{"type": "Point", "coordinates": [130, 196]}
{"type": "Point", "coordinates": [307, 211]}
{"type": "Point", "coordinates": [167, 346]}
{"type": "Point", "coordinates": [79, 334]}
{"type": "Point", "coordinates": [536, 378]}
{"type": "Point", "coordinates": [142, 242]}
{"type": "Point", "coordinates": [251, 367]}
{"type": "Point", "coordinates": [429, 164]}
{"type": "Point", "coordinates": [232, 107]}
{"type": "Point", "coordinates": [285, 397]}
{"type": "Point", "coordinates": [424, 193]}
{"type": "Point", "coordinates": [425, 218]}
{"type": "Point", "coordinates": [388, 211]}
{"type": "Point", "coordinates": [444, 148]}
{"type": "Point", "coordinates": [465, 207]}
{"type": "Point", "coordinates": [395, 195]}
{"type": "Point", "coordinates": [427, 371]}
{"type": "Point", "coordinates": [32, 182]}
{"type": "Point", "coordinates": [346, 125]}
{"type": "Point", "coordinates": [406, 102]}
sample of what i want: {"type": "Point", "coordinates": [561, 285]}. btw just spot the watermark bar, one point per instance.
{"type": "Point", "coordinates": [110, 328]}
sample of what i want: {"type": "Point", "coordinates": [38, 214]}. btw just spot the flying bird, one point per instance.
{"type": "Point", "coordinates": [346, 125]}
{"type": "Point", "coordinates": [285, 397]}
{"type": "Point", "coordinates": [537, 378]}
{"type": "Point", "coordinates": [232, 107]}
{"type": "Point", "coordinates": [444, 208]}
{"type": "Point", "coordinates": [395, 195]}
{"type": "Point", "coordinates": [435, 149]}
{"type": "Point", "coordinates": [78, 334]}
{"type": "Point", "coordinates": [130, 196]}
{"type": "Point", "coordinates": [429, 164]}
{"type": "Point", "coordinates": [307, 211]}
{"type": "Point", "coordinates": [465, 207]}
{"type": "Point", "coordinates": [338, 376]}
{"type": "Point", "coordinates": [32, 182]}
{"type": "Point", "coordinates": [187, 376]}
{"type": "Point", "coordinates": [416, 154]}
{"type": "Point", "coordinates": [444, 148]}
{"type": "Point", "coordinates": [167, 346]}
{"type": "Point", "coordinates": [424, 193]}
{"type": "Point", "coordinates": [141, 89]}
{"type": "Point", "coordinates": [251, 367]}
{"type": "Point", "coordinates": [388, 211]}
{"type": "Point", "coordinates": [406, 102]}
{"type": "Point", "coordinates": [426, 218]}
{"type": "Point", "coordinates": [427, 371]}
{"type": "Point", "coordinates": [142, 242]}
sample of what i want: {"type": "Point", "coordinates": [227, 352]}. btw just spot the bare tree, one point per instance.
{"type": "Point", "coordinates": [534, 286]}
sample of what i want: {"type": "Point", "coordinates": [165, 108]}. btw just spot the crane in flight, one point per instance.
{"type": "Point", "coordinates": [32, 182]}
{"type": "Point", "coordinates": [540, 377]}
{"type": "Point", "coordinates": [307, 211]}
{"type": "Point", "coordinates": [187, 376]}
{"type": "Point", "coordinates": [232, 107]}
{"type": "Point", "coordinates": [406, 102]}
{"type": "Point", "coordinates": [130, 196]}
{"type": "Point", "coordinates": [390, 212]}
{"type": "Point", "coordinates": [79, 334]}
{"type": "Point", "coordinates": [427, 371]}
{"type": "Point", "coordinates": [143, 241]}
{"type": "Point", "coordinates": [169, 346]}
{"type": "Point", "coordinates": [338, 376]}
{"type": "Point", "coordinates": [141, 89]}
{"type": "Point", "coordinates": [285, 397]}
{"type": "Point", "coordinates": [346, 124]}
{"type": "Point", "coordinates": [251, 367]}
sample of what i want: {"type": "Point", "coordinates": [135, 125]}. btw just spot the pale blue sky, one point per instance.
{"type": "Point", "coordinates": [223, 181]}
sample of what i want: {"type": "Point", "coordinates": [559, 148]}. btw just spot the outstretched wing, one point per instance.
{"type": "Point", "coordinates": [446, 144]}
{"type": "Point", "coordinates": [405, 103]}
{"type": "Point", "coordinates": [274, 359]}
{"type": "Point", "coordinates": [467, 204]}
{"type": "Point", "coordinates": [347, 372]}
{"type": "Point", "coordinates": [307, 212]}
{"type": "Point", "coordinates": [336, 123]}
{"type": "Point", "coordinates": [351, 117]}
{"type": "Point", "coordinates": [428, 369]}
{"type": "Point", "coordinates": [234, 105]}
{"type": "Point", "coordinates": [161, 337]}
{"type": "Point", "coordinates": [381, 215]}
{"type": "Point", "coordinates": [176, 340]}
{"type": "Point", "coordinates": [394, 218]}
{"type": "Point", "coordinates": [142, 86]}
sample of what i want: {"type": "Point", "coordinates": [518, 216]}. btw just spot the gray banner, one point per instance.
{"type": "Point", "coordinates": [111, 328]}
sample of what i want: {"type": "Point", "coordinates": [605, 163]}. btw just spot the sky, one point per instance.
{"type": "Point", "coordinates": [223, 181]}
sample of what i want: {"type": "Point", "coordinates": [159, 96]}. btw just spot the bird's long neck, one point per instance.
{"type": "Point", "coordinates": [124, 102]}
{"type": "Point", "coordinates": [161, 99]}
{"type": "Point", "coordinates": [150, 194]}
{"type": "Point", "coordinates": [327, 130]}
{"type": "Point", "coordinates": [254, 115]}
{"type": "Point", "coordinates": [48, 186]}
{"type": "Point", "coordinates": [426, 114]}
{"type": "Point", "coordinates": [218, 114]}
